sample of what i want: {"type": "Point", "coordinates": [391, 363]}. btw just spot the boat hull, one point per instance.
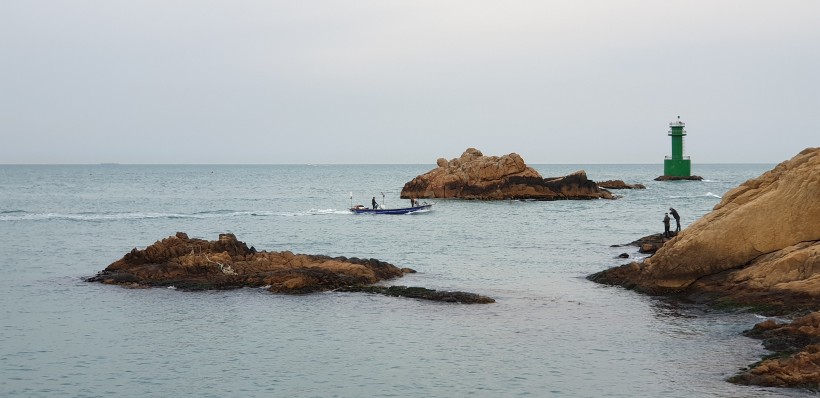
{"type": "Point", "coordinates": [403, 210]}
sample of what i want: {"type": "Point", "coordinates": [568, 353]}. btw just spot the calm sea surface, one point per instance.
{"type": "Point", "coordinates": [551, 332]}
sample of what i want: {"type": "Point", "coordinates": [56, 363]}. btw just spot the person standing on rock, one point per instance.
{"type": "Point", "coordinates": [677, 219]}
{"type": "Point", "coordinates": [665, 225]}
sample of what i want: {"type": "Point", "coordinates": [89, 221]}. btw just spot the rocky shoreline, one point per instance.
{"type": "Point", "coordinates": [796, 358]}
{"type": "Point", "coordinates": [195, 264]}
{"type": "Point", "coordinates": [758, 250]}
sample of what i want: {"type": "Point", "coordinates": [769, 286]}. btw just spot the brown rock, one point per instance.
{"type": "Point", "coordinates": [227, 263]}
{"type": "Point", "coordinates": [648, 248]}
{"type": "Point", "coordinates": [475, 176]}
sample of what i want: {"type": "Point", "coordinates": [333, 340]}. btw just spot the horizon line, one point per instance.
{"type": "Point", "coordinates": [336, 164]}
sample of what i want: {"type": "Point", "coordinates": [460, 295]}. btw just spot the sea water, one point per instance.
{"type": "Point", "coordinates": [550, 333]}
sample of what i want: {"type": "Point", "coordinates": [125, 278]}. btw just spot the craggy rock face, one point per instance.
{"type": "Point", "coordinates": [475, 176]}
{"type": "Point", "coordinates": [769, 226]}
{"type": "Point", "coordinates": [196, 264]}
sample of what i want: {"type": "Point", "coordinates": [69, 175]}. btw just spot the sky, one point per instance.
{"type": "Point", "coordinates": [405, 82]}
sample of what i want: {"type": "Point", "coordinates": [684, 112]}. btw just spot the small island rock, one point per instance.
{"type": "Point", "coordinates": [227, 263]}
{"type": "Point", "coordinates": [475, 176]}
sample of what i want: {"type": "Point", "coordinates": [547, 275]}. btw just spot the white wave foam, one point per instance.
{"type": "Point", "coordinates": [314, 212]}
{"type": "Point", "coordinates": [321, 211]}
{"type": "Point", "coordinates": [706, 195]}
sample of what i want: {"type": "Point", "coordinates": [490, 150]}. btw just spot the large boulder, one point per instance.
{"type": "Point", "coordinates": [475, 176]}
{"type": "Point", "coordinates": [759, 245]}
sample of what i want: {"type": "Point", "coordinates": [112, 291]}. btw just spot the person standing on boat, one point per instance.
{"type": "Point", "coordinates": [412, 202]}
{"type": "Point", "coordinates": [375, 205]}
{"type": "Point", "coordinates": [665, 225]}
{"type": "Point", "coordinates": [676, 216]}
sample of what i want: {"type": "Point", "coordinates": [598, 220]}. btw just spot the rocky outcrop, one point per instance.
{"type": "Point", "coordinates": [797, 362]}
{"type": "Point", "coordinates": [475, 176]}
{"type": "Point", "coordinates": [227, 263]}
{"type": "Point", "coordinates": [759, 248]}
{"type": "Point", "coordinates": [619, 184]}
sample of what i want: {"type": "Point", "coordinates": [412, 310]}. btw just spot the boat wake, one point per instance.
{"type": "Point", "coordinates": [706, 195]}
{"type": "Point", "coordinates": [311, 212]}
{"type": "Point", "coordinates": [21, 215]}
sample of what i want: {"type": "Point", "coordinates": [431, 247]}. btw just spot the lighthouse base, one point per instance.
{"type": "Point", "coordinates": [677, 167]}
{"type": "Point", "coordinates": [673, 178]}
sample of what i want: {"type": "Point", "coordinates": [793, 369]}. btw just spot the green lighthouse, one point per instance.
{"type": "Point", "coordinates": [677, 165]}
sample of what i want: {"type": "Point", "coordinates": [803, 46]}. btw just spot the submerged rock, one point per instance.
{"type": "Point", "coordinates": [422, 293]}
{"type": "Point", "coordinates": [227, 263]}
{"type": "Point", "coordinates": [475, 176]}
{"type": "Point", "coordinates": [619, 184]}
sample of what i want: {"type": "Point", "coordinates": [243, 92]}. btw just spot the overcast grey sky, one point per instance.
{"type": "Point", "coordinates": [386, 81]}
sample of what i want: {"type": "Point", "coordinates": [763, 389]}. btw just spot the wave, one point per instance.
{"type": "Point", "coordinates": [21, 215]}
{"type": "Point", "coordinates": [706, 195]}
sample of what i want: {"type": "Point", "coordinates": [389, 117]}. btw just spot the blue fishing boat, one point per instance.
{"type": "Point", "coordinates": [403, 210]}
{"type": "Point", "coordinates": [382, 209]}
